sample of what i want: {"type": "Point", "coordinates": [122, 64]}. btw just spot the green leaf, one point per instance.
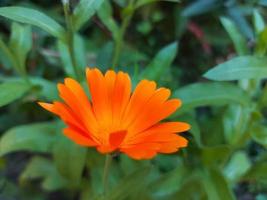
{"type": "Point", "coordinates": [238, 165]}
{"type": "Point", "coordinates": [235, 123]}
{"type": "Point", "coordinates": [257, 172]}
{"type": "Point", "coordinates": [33, 17]}
{"type": "Point", "coordinates": [261, 45]}
{"type": "Point", "coordinates": [161, 62]}
{"type": "Point", "coordinates": [106, 16]}
{"type": "Point", "coordinates": [237, 38]}
{"type": "Point", "coordinates": [210, 94]}
{"type": "Point", "coordinates": [8, 58]}
{"type": "Point", "coordinates": [43, 168]}
{"type": "Point", "coordinates": [10, 92]}
{"type": "Point", "coordinates": [70, 159]}
{"type": "Point", "coordinates": [38, 137]}
{"type": "Point", "coordinates": [130, 185]}
{"type": "Point", "coordinates": [199, 7]}
{"type": "Point", "coordinates": [48, 89]}
{"type": "Point", "coordinates": [84, 11]}
{"type": "Point", "coordinates": [242, 67]}
{"type": "Point", "coordinates": [258, 21]}
{"type": "Point", "coordinates": [20, 43]}
{"type": "Point", "coordinates": [140, 3]}
{"type": "Point", "coordinates": [192, 189]}
{"type": "Point", "coordinates": [258, 133]}
{"type": "Point", "coordinates": [170, 182]}
{"type": "Point", "coordinates": [79, 53]}
{"type": "Point", "coordinates": [215, 184]}
{"type": "Point", "coordinates": [215, 155]}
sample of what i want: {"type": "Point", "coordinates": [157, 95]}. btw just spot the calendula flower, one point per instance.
{"type": "Point", "coordinates": [116, 119]}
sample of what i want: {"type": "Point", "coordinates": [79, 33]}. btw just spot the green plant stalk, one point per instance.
{"type": "Point", "coordinates": [70, 39]}
{"type": "Point", "coordinates": [108, 162]}
{"type": "Point", "coordinates": [119, 40]}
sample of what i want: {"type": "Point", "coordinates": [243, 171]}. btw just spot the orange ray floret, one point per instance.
{"type": "Point", "coordinates": [116, 119]}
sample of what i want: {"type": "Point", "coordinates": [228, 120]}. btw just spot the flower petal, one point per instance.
{"type": "Point", "coordinates": [78, 138]}
{"type": "Point", "coordinates": [154, 116]}
{"type": "Point", "coordinates": [99, 93]}
{"type": "Point", "coordinates": [143, 92]}
{"type": "Point", "coordinates": [120, 98]}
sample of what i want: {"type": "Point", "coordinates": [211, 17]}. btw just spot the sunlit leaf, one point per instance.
{"type": "Point", "coordinates": [242, 67]}
{"type": "Point", "coordinates": [33, 17]}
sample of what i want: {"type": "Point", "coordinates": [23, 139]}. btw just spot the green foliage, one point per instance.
{"type": "Point", "coordinates": [33, 17]}
{"type": "Point", "coordinates": [243, 67]}
{"type": "Point", "coordinates": [11, 91]}
{"type": "Point", "coordinates": [84, 10]}
{"type": "Point", "coordinates": [34, 137]}
{"type": "Point", "coordinates": [226, 107]}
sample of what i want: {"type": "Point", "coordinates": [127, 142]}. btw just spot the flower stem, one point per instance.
{"type": "Point", "coordinates": [119, 40]}
{"type": "Point", "coordinates": [106, 173]}
{"type": "Point", "coordinates": [70, 38]}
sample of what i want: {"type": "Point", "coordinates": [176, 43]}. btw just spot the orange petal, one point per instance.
{"type": "Point", "coordinates": [68, 116]}
{"type": "Point", "coordinates": [150, 108]}
{"type": "Point", "coordinates": [120, 98]}
{"type": "Point", "coordinates": [99, 93]}
{"type": "Point", "coordinates": [173, 146]}
{"type": "Point", "coordinates": [48, 106]}
{"type": "Point", "coordinates": [151, 118]}
{"type": "Point", "coordinates": [116, 138]}
{"type": "Point", "coordinates": [142, 151]}
{"type": "Point", "coordinates": [78, 138]}
{"type": "Point", "coordinates": [83, 103]}
{"type": "Point", "coordinates": [143, 92]}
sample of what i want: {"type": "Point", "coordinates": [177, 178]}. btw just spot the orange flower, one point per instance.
{"type": "Point", "coordinates": [115, 119]}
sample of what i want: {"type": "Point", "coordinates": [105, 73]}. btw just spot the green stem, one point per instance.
{"type": "Point", "coordinates": [119, 40]}
{"type": "Point", "coordinates": [106, 173]}
{"type": "Point", "coordinates": [70, 39]}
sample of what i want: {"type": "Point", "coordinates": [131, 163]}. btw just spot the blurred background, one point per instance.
{"type": "Point", "coordinates": [172, 42]}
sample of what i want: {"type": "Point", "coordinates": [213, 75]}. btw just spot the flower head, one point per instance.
{"type": "Point", "coordinates": [116, 119]}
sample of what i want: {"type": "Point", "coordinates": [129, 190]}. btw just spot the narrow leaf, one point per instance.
{"type": "Point", "coordinates": [238, 39]}
{"type": "Point", "coordinates": [106, 16]}
{"type": "Point", "coordinates": [243, 67]}
{"type": "Point", "coordinates": [161, 62]}
{"type": "Point", "coordinates": [33, 17]}
{"type": "Point", "coordinates": [207, 94]}
{"type": "Point", "coordinates": [84, 10]}
{"type": "Point", "coordinates": [20, 43]}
